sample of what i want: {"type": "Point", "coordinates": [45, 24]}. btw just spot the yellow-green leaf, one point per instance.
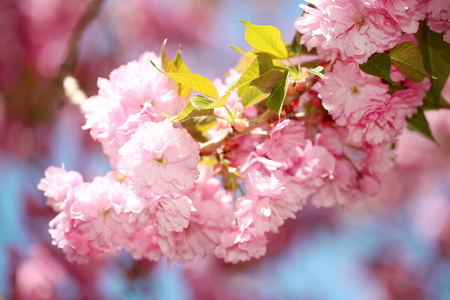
{"type": "Point", "coordinates": [252, 96]}
{"type": "Point", "coordinates": [197, 106]}
{"type": "Point", "coordinates": [264, 82]}
{"type": "Point", "coordinates": [194, 81]}
{"type": "Point", "coordinates": [183, 90]}
{"type": "Point", "coordinates": [408, 59]}
{"type": "Point", "coordinates": [265, 38]}
{"type": "Point", "coordinates": [200, 102]}
{"type": "Point", "coordinates": [166, 62]}
{"type": "Point", "coordinates": [276, 98]}
{"type": "Point", "coordinates": [259, 66]}
{"type": "Point", "coordinates": [221, 102]}
{"type": "Point", "coordinates": [378, 64]}
{"type": "Point", "coordinates": [252, 55]}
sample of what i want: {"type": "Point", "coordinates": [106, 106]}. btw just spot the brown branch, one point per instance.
{"type": "Point", "coordinates": [68, 66]}
{"type": "Point", "coordinates": [210, 147]}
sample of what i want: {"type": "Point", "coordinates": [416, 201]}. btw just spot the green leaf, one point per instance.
{"type": "Point", "coordinates": [259, 66]}
{"type": "Point", "coordinates": [265, 38]}
{"type": "Point", "coordinates": [179, 63]}
{"type": "Point", "coordinates": [264, 82]}
{"type": "Point", "coordinates": [276, 98]}
{"type": "Point", "coordinates": [318, 71]}
{"type": "Point", "coordinates": [167, 63]}
{"type": "Point", "coordinates": [379, 64]}
{"type": "Point", "coordinates": [419, 123]}
{"type": "Point", "coordinates": [221, 102]}
{"type": "Point", "coordinates": [408, 59]}
{"type": "Point", "coordinates": [194, 81]}
{"type": "Point", "coordinates": [436, 58]}
{"type": "Point", "coordinates": [200, 102]}
{"type": "Point", "coordinates": [197, 106]}
{"type": "Point", "coordinates": [252, 96]}
{"type": "Point", "coordinates": [183, 90]}
{"type": "Point", "coordinates": [252, 55]}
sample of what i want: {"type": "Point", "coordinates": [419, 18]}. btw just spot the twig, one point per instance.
{"type": "Point", "coordinates": [210, 147]}
{"type": "Point", "coordinates": [68, 66]}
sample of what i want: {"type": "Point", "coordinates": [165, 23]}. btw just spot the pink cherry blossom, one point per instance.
{"type": "Point", "coordinates": [347, 92]}
{"type": "Point", "coordinates": [406, 12]}
{"type": "Point", "coordinates": [40, 276]}
{"type": "Point", "coordinates": [381, 122]}
{"type": "Point", "coordinates": [327, 180]}
{"type": "Point", "coordinates": [241, 243]}
{"type": "Point", "coordinates": [170, 213]}
{"type": "Point", "coordinates": [286, 143]}
{"type": "Point", "coordinates": [438, 13]}
{"type": "Point", "coordinates": [353, 29]}
{"type": "Point", "coordinates": [159, 159]}
{"type": "Point", "coordinates": [57, 185]}
{"type": "Point", "coordinates": [212, 214]}
{"type": "Point", "coordinates": [360, 102]}
{"type": "Point", "coordinates": [97, 220]}
{"type": "Point", "coordinates": [144, 244]}
{"type": "Point", "coordinates": [269, 201]}
{"type": "Point", "coordinates": [136, 89]}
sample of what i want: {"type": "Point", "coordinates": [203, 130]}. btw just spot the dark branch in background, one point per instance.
{"type": "Point", "coordinates": [65, 79]}
{"type": "Point", "coordinates": [211, 146]}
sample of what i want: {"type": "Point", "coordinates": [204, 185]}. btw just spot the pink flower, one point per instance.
{"type": "Point", "coordinates": [438, 13]}
{"type": "Point", "coordinates": [212, 214]}
{"type": "Point", "coordinates": [286, 143]}
{"type": "Point", "coordinates": [159, 159]}
{"type": "Point", "coordinates": [57, 185]}
{"type": "Point", "coordinates": [412, 95]}
{"type": "Point", "coordinates": [348, 92]}
{"type": "Point", "coordinates": [98, 219]}
{"type": "Point", "coordinates": [40, 276]}
{"type": "Point", "coordinates": [269, 201]}
{"type": "Point", "coordinates": [353, 29]}
{"type": "Point", "coordinates": [326, 179]}
{"type": "Point", "coordinates": [360, 102]}
{"type": "Point", "coordinates": [341, 188]}
{"type": "Point", "coordinates": [170, 213]}
{"type": "Point", "coordinates": [406, 12]}
{"type": "Point", "coordinates": [241, 243]}
{"type": "Point", "coordinates": [380, 123]}
{"type": "Point", "coordinates": [135, 90]}
{"type": "Point", "coordinates": [144, 244]}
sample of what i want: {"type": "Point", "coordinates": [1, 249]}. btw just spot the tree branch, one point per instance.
{"type": "Point", "coordinates": [210, 147]}
{"type": "Point", "coordinates": [68, 66]}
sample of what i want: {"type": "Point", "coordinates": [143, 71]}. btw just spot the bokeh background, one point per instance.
{"type": "Point", "coordinates": [396, 246]}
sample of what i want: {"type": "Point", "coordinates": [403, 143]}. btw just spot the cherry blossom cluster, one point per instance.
{"type": "Point", "coordinates": [331, 145]}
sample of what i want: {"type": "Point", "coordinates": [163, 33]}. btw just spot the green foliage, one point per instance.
{"type": "Point", "coordinates": [265, 38]}
{"type": "Point", "coordinates": [408, 59]}
{"type": "Point", "coordinates": [318, 71]}
{"type": "Point", "coordinates": [436, 57]}
{"type": "Point", "coordinates": [278, 94]}
{"type": "Point", "coordinates": [194, 81]}
{"type": "Point", "coordinates": [252, 55]}
{"type": "Point", "coordinates": [194, 108]}
{"type": "Point", "coordinates": [177, 66]}
{"type": "Point", "coordinates": [419, 123]}
{"type": "Point", "coordinates": [378, 64]}
{"type": "Point", "coordinates": [219, 103]}
{"type": "Point", "coordinates": [260, 65]}
{"type": "Point", "coordinates": [266, 81]}
{"type": "Point", "coordinates": [252, 96]}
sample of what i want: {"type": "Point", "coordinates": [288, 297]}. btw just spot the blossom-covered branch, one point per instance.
{"type": "Point", "coordinates": [335, 146]}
